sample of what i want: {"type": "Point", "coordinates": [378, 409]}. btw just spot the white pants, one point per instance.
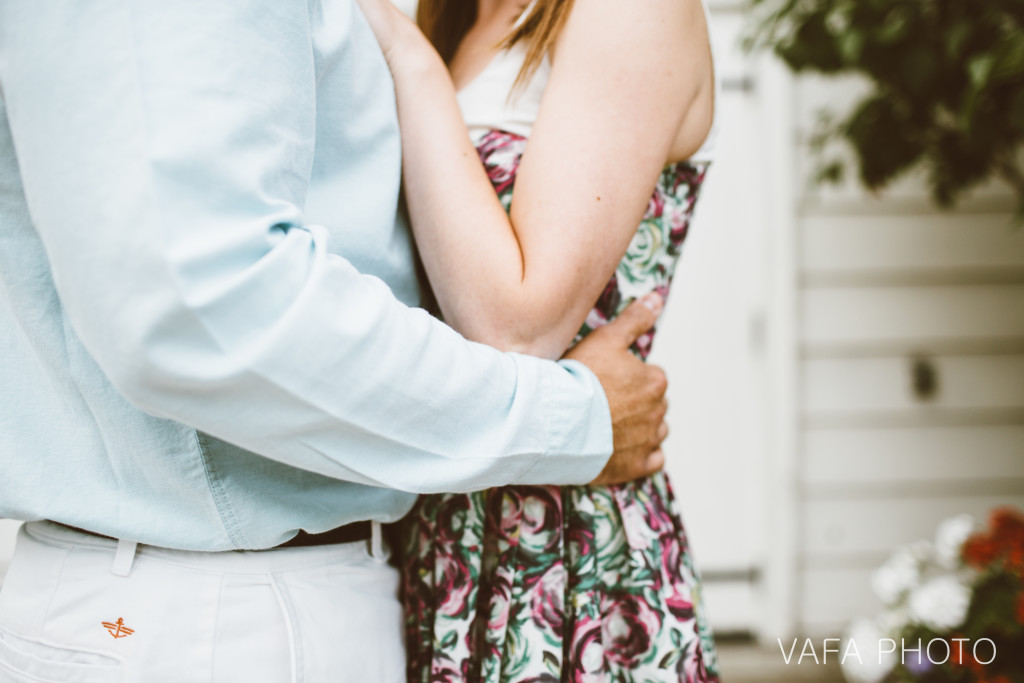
{"type": "Point", "coordinates": [74, 610]}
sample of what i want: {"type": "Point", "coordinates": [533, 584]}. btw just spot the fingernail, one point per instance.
{"type": "Point", "coordinates": [652, 301]}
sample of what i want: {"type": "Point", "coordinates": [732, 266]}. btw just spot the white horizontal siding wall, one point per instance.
{"type": "Point", "coordinates": [883, 281]}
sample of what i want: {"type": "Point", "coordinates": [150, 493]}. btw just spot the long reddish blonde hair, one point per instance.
{"type": "Point", "coordinates": [446, 22]}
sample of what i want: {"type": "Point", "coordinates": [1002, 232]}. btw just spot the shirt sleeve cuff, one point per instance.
{"type": "Point", "coordinates": [579, 428]}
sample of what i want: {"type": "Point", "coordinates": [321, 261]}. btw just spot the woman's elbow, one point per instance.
{"type": "Point", "coordinates": [525, 330]}
{"type": "Point", "coordinates": [541, 347]}
{"type": "Point", "coordinates": [524, 340]}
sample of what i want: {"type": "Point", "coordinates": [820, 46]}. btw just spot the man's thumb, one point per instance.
{"type": "Point", "coordinates": [638, 317]}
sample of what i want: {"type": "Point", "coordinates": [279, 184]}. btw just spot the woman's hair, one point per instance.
{"type": "Point", "coordinates": [446, 22]}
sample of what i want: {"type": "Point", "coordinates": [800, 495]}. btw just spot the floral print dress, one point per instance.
{"type": "Point", "coordinates": [580, 584]}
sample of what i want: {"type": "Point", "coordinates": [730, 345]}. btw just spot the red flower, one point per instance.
{"type": "Point", "coordinates": [979, 551]}
{"type": "Point", "coordinates": [1015, 560]}
{"type": "Point", "coordinates": [1008, 528]}
{"type": "Point", "coordinates": [1002, 546]}
{"type": "Point", "coordinates": [968, 662]}
{"type": "Point", "coordinates": [959, 656]}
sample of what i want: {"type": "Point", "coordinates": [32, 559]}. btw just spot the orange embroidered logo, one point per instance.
{"type": "Point", "coordinates": [118, 630]}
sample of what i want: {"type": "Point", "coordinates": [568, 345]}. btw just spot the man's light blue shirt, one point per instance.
{"type": "Point", "coordinates": [206, 332]}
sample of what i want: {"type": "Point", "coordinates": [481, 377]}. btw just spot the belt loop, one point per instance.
{"type": "Point", "coordinates": [376, 542]}
{"type": "Point", "coordinates": [123, 558]}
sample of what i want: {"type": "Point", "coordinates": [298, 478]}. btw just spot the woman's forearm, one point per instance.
{"type": "Point", "coordinates": [470, 249]}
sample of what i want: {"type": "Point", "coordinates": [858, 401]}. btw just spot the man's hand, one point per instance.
{"type": "Point", "coordinates": [635, 391]}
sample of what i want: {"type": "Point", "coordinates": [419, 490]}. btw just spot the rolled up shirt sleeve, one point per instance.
{"type": "Point", "coordinates": [165, 150]}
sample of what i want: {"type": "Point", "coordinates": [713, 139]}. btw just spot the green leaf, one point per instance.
{"type": "Point", "coordinates": [1008, 63]}
{"type": "Point", "coordinates": [851, 46]}
{"type": "Point", "coordinates": [813, 47]}
{"type": "Point", "coordinates": [884, 139]}
{"type": "Point", "coordinates": [980, 68]}
{"type": "Point", "coordinates": [895, 27]}
{"type": "Point", "coordinates": [956, 40]}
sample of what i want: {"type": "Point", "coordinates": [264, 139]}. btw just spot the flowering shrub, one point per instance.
{"type": "Point", "coordinates": [954, 609]}
{"type": "Point", "coordinates": [945, 85]}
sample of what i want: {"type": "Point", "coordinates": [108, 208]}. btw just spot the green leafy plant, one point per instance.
{"type": "Point", "coordinates": [946, 84]}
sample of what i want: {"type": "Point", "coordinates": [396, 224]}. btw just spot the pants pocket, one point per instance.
{"type": "Point", "coordinates": [24, 660]}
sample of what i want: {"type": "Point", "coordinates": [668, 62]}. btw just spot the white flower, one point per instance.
{"type": "Point", "coordinates": [871, 662]}
{"type": "Point", "coordinates": [941, 603]}
{"type": "Point", "coordinates": [898, 576]}
{"type": "Point", "coordinates": [949, 540]}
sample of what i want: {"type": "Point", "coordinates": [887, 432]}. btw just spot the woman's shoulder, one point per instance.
{"type": "Point", "coordinates": [655, 56]}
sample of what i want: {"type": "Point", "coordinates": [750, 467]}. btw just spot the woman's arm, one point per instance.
{"type": "Point", "coordinates": [616, 97]}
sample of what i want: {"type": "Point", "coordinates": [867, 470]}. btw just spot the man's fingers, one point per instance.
{"type": "Point", "coordinates": [655, 462]}
{"type": "Point", "coordinates": [662, 432]}
{"type": "Point", "coordinates": [638, 317]}
{"type": "Point", "coordinates": [658, 381]}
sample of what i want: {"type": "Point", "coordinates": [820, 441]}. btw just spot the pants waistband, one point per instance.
{"type": "Point", "coordinates": [347, 533]}
{"type": "Point", "coordinates": [242, 561]}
